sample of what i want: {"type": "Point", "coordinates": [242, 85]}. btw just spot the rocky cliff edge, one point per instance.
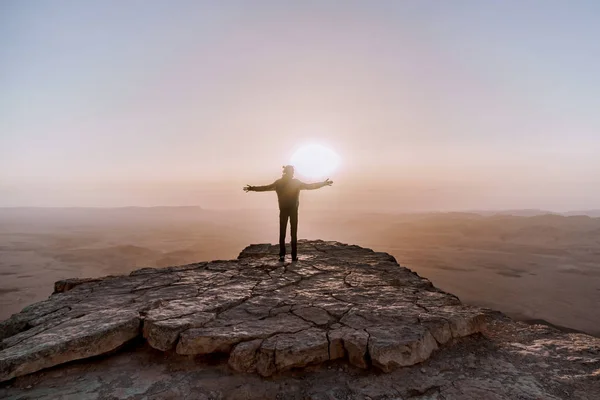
{"type": "Point", "coordinates": [343, 322]}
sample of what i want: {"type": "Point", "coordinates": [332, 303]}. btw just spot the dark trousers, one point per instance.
{"type": "Point", "coordinates": [292, 214]}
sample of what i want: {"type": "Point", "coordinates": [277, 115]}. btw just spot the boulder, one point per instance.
{"type": "Point", "coordinates": [93, 334]}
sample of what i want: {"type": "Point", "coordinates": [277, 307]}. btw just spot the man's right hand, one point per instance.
{"type": "Point", "coordinates": [247, 188]}
{"type": "Point", "coordinates": [328, 182]}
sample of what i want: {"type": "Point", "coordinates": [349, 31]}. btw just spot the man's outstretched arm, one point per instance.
{"type": "Point", "coordinates": [265, 188]}
{"type": "Point", "coordinates": [317, 185]}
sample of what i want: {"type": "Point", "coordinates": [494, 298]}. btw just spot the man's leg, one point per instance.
{"type": "Point", "coordinates": [294, 226]}
{"type": "Point", "coordinates": [283, 218]}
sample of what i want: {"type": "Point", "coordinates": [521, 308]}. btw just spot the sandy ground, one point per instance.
{"type": "Point", "coordinates": [540, 267]}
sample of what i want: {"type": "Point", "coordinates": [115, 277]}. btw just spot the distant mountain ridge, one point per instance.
{"type": "Point", "coordinates": [534, 212]}
{"type": "Point", "coordinates": [517, 212]}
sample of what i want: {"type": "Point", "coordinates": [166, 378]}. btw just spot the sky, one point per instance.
{"type": "Point", "coordinates": [431, 105]}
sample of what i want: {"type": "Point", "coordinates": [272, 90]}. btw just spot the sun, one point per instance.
{"type": "Point", "coordinates": [315, 161]}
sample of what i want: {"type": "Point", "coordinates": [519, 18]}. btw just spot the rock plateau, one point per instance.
{"type": "Point", "coordinates": [343, 322]}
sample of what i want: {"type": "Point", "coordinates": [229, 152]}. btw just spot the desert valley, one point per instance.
{"type": "Point", "coordinates": [540, 267]}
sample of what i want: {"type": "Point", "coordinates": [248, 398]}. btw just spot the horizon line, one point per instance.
{"type": "Point", "coordinates": [467, 211]}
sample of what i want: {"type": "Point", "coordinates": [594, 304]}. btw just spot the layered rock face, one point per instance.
{"type": "Point", "coordinates": [337, 302]}
{"type": "Point", "coordinates": [343, 322]}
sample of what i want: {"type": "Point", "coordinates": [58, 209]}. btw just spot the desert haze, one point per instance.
{"type": "Point", "coordinates": [535, 267]}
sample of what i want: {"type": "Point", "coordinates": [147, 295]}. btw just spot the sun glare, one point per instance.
{"type": "Point", "coordinates": [315, 161]}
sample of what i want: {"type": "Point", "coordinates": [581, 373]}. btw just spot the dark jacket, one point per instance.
{"type": "Point", "coordinates": [288, 191]}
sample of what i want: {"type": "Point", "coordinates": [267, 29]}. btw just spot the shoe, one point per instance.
{"type": "Point", "coordinates": [294, 258]}
{"type": "Point", "coordinates": [281, 258]}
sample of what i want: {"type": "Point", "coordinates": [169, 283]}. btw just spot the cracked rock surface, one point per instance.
{"type": "Point", "coordinates": [338, 301]}
{"type": "Point", "coordinates": [340, 316]}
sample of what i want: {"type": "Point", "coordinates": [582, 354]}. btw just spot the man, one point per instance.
{"type": "Point", "coordinates": [288, 192]}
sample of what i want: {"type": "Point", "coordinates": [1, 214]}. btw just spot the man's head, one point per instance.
{"type": "Point", "coordinates": [288, 171]}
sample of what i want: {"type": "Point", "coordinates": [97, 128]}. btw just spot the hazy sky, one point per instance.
{"type": "Point", "coordinates": [430, 104]}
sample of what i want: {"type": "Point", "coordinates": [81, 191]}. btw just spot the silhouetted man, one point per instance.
{"type": "Point", "coordinates": [288, 194]}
